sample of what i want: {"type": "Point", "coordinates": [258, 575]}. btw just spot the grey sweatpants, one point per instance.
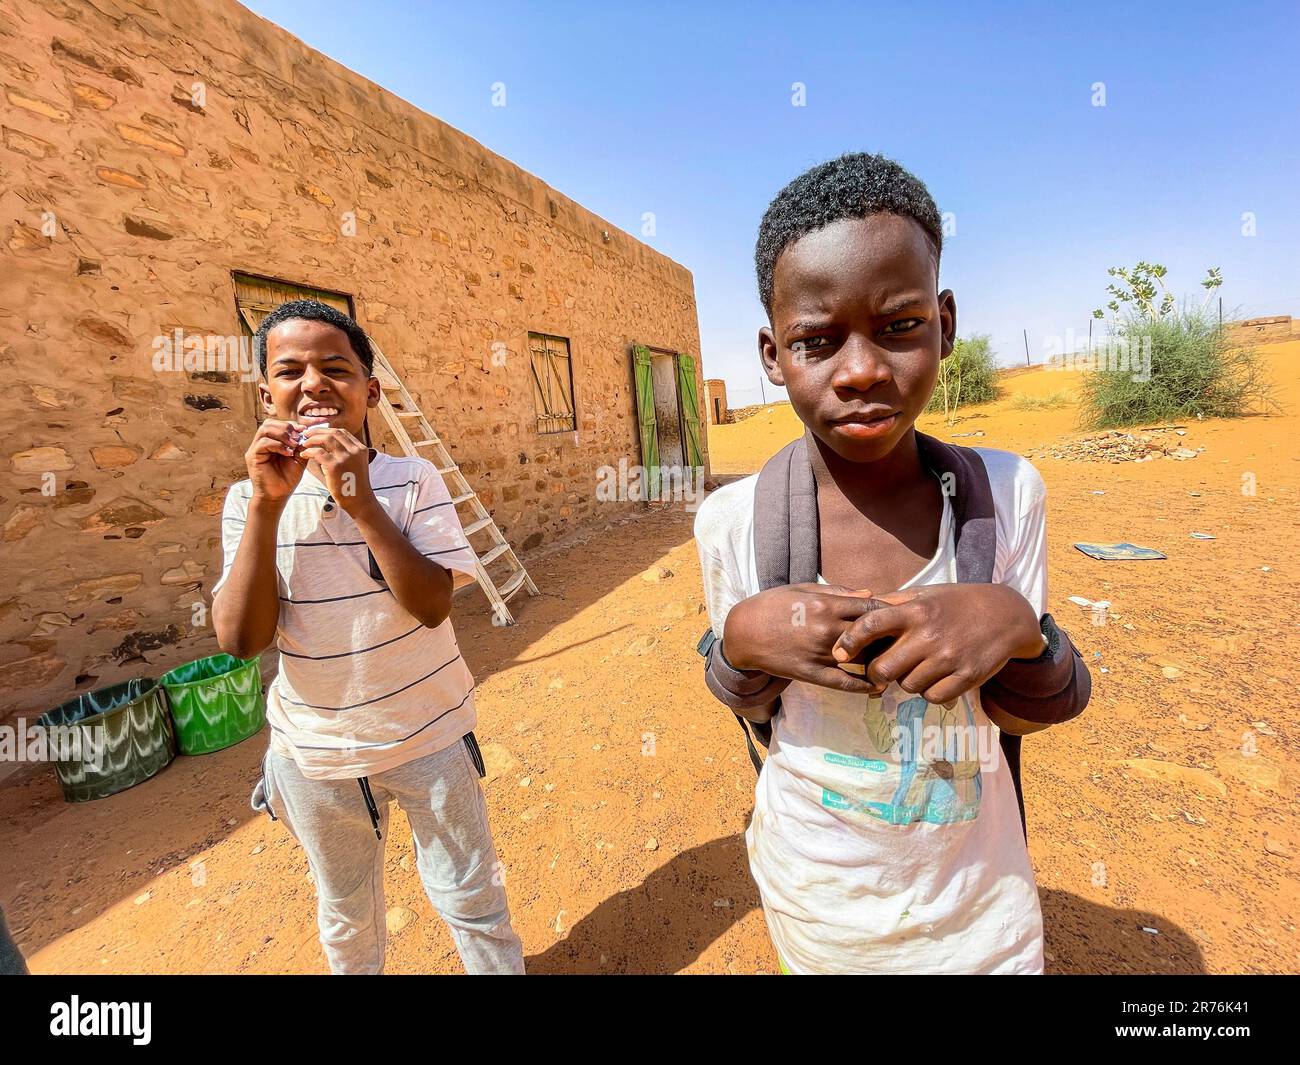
{"type": "Point", "coordinates": [458, 866]}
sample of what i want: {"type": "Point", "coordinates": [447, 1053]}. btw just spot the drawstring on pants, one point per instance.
{"type": "Point", "coordinates": [369, 796]}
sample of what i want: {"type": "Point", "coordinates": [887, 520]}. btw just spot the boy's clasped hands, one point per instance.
{"type": "Point", "coordinates": [281, 451]}
{"type": "Point", "coordinates": [942, 640]}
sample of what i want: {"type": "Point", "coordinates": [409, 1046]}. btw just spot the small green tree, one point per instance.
{"type": "Point", "coordinates": [1145, 282]}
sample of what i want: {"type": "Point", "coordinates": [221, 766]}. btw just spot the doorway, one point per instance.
{"type": "Point", "coordinates": [668, 411]}
{"type": "Point", "coordinates": [668, 414]}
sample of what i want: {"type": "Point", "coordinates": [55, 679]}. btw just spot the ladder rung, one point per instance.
{"type": "Point", "coordinates": [482, 523]}
{"type": "Point", "coordinates": [409, 414]}
{"type": "Point", "coordinates": [513, 584]}
{"type": "Point", "coordinates": [458, 500]}
{"type": "Point", "coordinates": [447, 469]}
{"type": "Point", "coordinates": [494, 554]}
{"type": "Point", "coordinates": [424, 443]}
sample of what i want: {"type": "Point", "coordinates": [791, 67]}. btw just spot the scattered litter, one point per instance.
{"type": "Point", "coordinates": [1193, 726]}
{"type": "Point", "coordinates": [1098, 492]}
{"type": "Point", "coordinates": [722, 904]}
{"type": "Point", "coordinates": [1193, 493]}
{"type": "Point", "coordinates": [1202, 536]}
{"type": "Point", "coordinates": [1265, 569]}
{"type": "Point", "coordinates": [1262, 727]}
{"type": "Point", "coordinates": [1123, 552]}
{"type": "Point", "coordinates": [1104, 669]}
{"type": "Point", "coordinates": [140, 900]}
{"type": "Point", "coordinates": [525, 781]}
{"type": "Point", "coordinates": [977, 433]}
{"type": "Point", "coordinates": [652, 844]}
{"type": "Point", "coordinates": [1150, 931]}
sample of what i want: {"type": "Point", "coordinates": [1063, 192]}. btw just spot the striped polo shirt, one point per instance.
{"type": "Point", "coordinates": [362, 685]}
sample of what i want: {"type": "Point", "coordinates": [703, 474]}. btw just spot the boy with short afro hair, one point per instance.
{"type": "Point", "coordinates": [871, 854]}
{"type": "Point", "coordinates": [345, 558]}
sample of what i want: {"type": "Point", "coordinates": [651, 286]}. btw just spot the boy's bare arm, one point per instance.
{"type": "Point", "coordinates": [420, 584]}
{"type": "Point", "coordinates": [246, 610]}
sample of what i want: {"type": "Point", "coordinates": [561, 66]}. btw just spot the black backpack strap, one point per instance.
{"type": "Point", "coordinates": [749, 743]}
{"type": "Point", "coordinates": [1011, 752]}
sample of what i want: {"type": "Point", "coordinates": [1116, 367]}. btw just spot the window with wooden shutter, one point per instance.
{"type": "Point", "coordinates": [552, 373]}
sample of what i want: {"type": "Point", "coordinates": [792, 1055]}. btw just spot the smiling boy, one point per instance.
{"type": "Point", "coordinates": [346, 559]}
{"type": "Point", "coordinates": [873, 853]}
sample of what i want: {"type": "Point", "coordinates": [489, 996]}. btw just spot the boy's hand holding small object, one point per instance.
{"type": "Point", "coordinates": [344, 462]}
{"type": "Point", "coordinates": [941, 640]}
{"type": "Point", "coordinates": [273, 462]}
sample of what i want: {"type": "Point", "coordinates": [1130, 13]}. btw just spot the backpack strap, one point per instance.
{"type": "Point", "coordinates": [786, 531]}
{"type": "Point", "coordinates": [964, 479]}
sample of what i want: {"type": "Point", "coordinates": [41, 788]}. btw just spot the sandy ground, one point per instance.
{"type": "Point", "coordinates": [619, 791]}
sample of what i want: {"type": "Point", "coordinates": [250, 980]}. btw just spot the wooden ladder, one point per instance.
{"type": "Point", "coordinates": [399, 410]}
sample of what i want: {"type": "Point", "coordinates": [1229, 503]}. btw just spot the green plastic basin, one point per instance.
{"type": "Point", "coordinates": [216, 702]}
{"type": "Point", "coordinates": [125, 737]}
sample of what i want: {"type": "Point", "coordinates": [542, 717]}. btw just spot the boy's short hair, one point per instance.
{"type": "Point", "coordinates": [855, 185]}
{"type": "Point", "coordinates": [313, 311]}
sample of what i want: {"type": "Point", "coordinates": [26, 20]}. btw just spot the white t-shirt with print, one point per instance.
{"type": "Point", "coordinates": [886, 837]}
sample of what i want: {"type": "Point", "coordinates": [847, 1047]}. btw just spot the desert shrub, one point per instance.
{"type": "Point", "coordinates": [968, 376]}
{"type": "Point", "coordinates": [1169, 367]}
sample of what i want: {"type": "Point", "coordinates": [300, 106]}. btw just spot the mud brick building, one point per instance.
{"type": "Point", "coordinates": [171, 167]}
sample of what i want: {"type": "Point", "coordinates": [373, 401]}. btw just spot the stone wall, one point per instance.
{"type": "Point", "coordinates": [149, 151]}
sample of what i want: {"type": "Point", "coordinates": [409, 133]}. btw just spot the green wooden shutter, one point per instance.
{"type": "Point", "coordinates": [645, 413]}
{"type": "Point", "coordinates": [689, 395]}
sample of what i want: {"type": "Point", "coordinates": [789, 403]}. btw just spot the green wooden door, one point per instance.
{"type": "Point", "coordinates": [689, 397]}
{"type": "Point", "coordinates": [645, 413]}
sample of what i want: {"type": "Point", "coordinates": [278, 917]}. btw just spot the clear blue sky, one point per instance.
{"type": "Point", "coordinates": [684, 110]}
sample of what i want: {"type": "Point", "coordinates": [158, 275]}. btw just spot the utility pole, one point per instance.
{"type": "Point", "coordinates": [1026, 332]}
{"type": "Point", "coordinates": [762, 390]}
